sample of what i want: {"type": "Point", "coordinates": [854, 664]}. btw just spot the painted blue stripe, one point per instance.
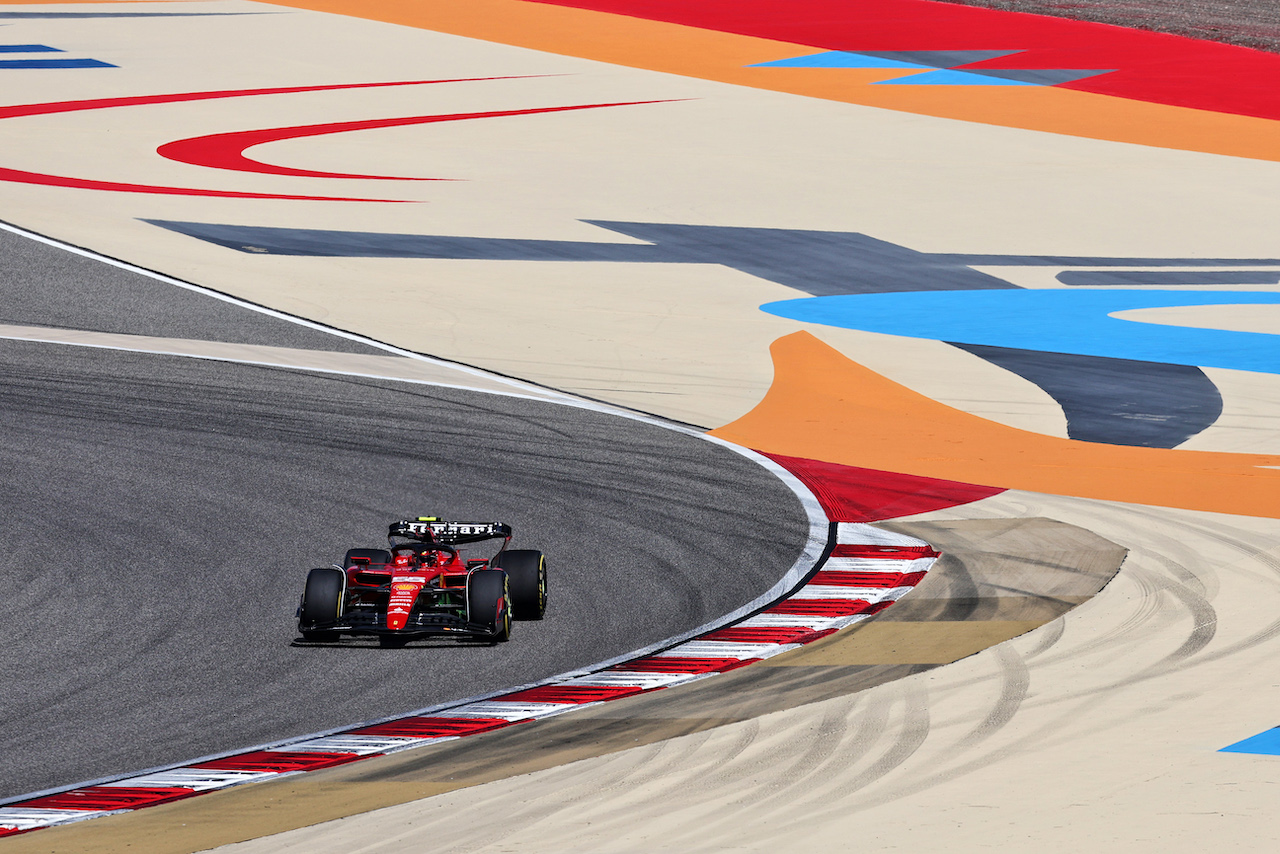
{"type": "Point", "coordinates": [28, 48]}
{"type": "Point", "coordinates": [54, 63]}
{"type": "Point", "coordinates": [1266, 743]}
{"type": "Point", "coordinates": [837, 59]}
{"type": "Point", "coordinates": [1075, 320]}
{"type": "Point", "coordinates": [946, 77]}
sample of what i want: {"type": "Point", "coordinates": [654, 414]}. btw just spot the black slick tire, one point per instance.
{"type": "Point", "coordinates": [526, 571]}
{"type": "Point", "coordinates": [321, 604]}
{"type": "Point", "coordinates": [489, 602]}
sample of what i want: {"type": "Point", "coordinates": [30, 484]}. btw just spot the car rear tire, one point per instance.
{"type": "Point", "coordinates": [527, 578]}
{"type": "Point", "coordinates": [321, 604]}
{"type": "Point", "coordinates": [489, 602]}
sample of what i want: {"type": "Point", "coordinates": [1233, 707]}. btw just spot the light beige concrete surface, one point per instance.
{"type": "Point", "coordinates": [1262, 319]}
{"type": "Point", "coordinates": [1250, 409]}
{"type": "Point", "coordinates": [1099, 729]}
{"type": "Point", "coordinates": [683, 341]}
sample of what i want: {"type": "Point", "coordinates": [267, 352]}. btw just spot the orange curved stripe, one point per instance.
{"type": "Point", "coordinates": [825, 406]}
{"type": "Point", "coordinates": [711, 55]}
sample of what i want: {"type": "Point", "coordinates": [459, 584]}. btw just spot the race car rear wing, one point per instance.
{"type": "Point", "coordinates": [431, 529]}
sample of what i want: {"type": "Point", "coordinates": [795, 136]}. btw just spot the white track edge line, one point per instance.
{"type": "Point", "coordinates": [815, 545]}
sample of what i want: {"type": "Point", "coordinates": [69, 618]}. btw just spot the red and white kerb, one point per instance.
{"type": "Point", "coordinates": [866, 571]}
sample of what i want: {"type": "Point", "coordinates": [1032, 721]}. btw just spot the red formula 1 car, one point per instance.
{"type": "Point", "coordinates": [421, 585]}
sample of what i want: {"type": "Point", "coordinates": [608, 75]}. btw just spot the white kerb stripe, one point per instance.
{"type": "Point", "coordinates": [21, 818]}
{"type": "Point", "coordinates": [790, 621]}
{"type": "Point", "coordinates": [859, 533]}
{"type": "Point", "coordinates": [508, 711]}
{"type": "Point", "coordinates": [866, 594]}
{"type": "Point", "coordinates": [724, 649]}
{"type": "Point", "coordinates": [863, 564]}
{"type": "Point", "coordinates": [361, 745]}
{"type": "Point", "coordinates": [199, 779]}
{"type": "Point", "coordinates": [632, 679]}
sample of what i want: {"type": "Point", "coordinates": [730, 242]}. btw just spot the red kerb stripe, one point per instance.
{"type": "Point", "coordinates": [866, 550]}
{"type": "Point", "coordinates": [827, 607]}
{"type": "Point", "coordinates": [571, 693]}
{"type": "Point", "coordinates": [656, 664]}
{"type": "Point", "coordinates": [277, 761]}
{"type": "Point", "coordinates": [107, 798]}
{"type": "Point", "coordinates": [841, 578]}
{"type": "Point", "coordinates": [431, 727]}
{"type": "Point", "coordinates": [771, 634]}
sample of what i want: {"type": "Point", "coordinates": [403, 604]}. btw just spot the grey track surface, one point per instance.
{"type": "Point", "coordinates": [159, 515]}
{"type": "Point", "coordinates": [41, 285]}
{"type": "Point", "coordinates": [1248, 23]}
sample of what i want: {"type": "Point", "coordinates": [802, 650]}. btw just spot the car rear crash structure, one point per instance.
{"type": "Point", "coordinates": [421, 585]}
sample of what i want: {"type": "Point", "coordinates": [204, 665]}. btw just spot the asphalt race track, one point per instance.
{"type": "Point", "coordinates": [160, 513]}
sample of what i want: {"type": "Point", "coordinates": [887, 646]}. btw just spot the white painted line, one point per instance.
{"type": "Point", "coordinates": [516, 385]}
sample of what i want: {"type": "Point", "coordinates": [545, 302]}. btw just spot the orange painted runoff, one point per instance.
{"type": "Point", "coordinates": [824, 406]}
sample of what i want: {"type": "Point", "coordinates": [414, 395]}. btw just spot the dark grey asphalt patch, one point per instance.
{"type": "Point", "coordinates": [1248, 23]}
{"type": "Point", "coordinates": [42, 285]}
{"type": "Point", "coordinates": [1117, 401]}
{"type": "Point", "coordinates": [1121, 278]}
{"type": "Point", "coordinates": [159, 516]}
{"type": "Point", "coordinates": [822, 263]}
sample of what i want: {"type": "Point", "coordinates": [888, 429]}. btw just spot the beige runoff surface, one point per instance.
{"type": "Point", "coordinates": [1099, 729]}
{"type": "Point", "coordinates": [682, 341]}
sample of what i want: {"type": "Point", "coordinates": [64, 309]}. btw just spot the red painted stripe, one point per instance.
{"type": "Point", "coordinates": [278, 762]}
{"type": "Point", "coordinates": [431, 727]}
{"type": "Point", "coordinates": [19, 176]}
{"type": "Point", "coordinates": [656, 664]}
{"type": "Point", "coordinates": [226, 150]}
{"type": "Point", "coordinates": [107, 798]}
{"type": "Point", "coordinates": [1153, 67]}
{"type": "Point", "coordinates": [866, 550]}
{"type": "Point", "coordinates": [850, 494]}
{"type": "Point", "coordinates": [49, 107]}
{"type": "Point", "coordinates": [9, 831]}
{"type": "Point", "coordinates": [571, 694]}
{"type": "Point", "coordinates": [770, 634]}
{"type": "Point", "coordinates": [840, 578]}
{"type": "Point", "coordinates": [827, 607]}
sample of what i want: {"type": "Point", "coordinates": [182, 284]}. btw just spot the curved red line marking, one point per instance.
{"type": "Point", "coordinates": [178, 97]}
{"type": "Point", "coordinates": [226, 150]}
{"type": "Point", "coordinates": [47, 108]}
{"type": "Point", "coordinates": [21, 177]}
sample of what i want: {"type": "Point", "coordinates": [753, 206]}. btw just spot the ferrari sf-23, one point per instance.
{"type": "Point", "coordinates": [421, 585]}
